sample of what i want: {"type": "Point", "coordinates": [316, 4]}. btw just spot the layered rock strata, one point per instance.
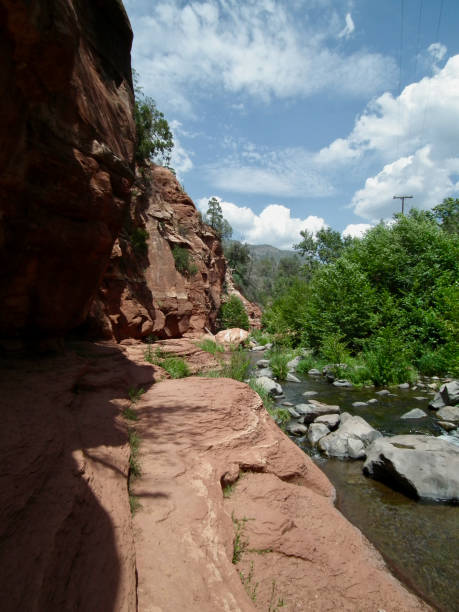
{"type": "Point", "coordinates": [68, 140]}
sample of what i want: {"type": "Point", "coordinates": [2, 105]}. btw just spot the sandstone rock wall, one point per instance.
{"type": "Point", "coordinates": [143, 293]}
{"type": "Point", "coordinates": [68, 137]}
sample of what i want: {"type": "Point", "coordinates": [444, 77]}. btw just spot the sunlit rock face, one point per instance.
{"type": "Point", "coordinates": [66, 160]}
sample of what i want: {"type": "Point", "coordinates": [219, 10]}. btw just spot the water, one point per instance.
{"type": "Point", "coordinates": [419, 541]}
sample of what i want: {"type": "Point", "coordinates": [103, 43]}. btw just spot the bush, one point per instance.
{"type": "Point", "coordinates": [387, 360]}
{"type": "Point", "coordinates": [183, 261]}
{"type": "Point", "coordinates": [233, 314]}
{"type": "Point", "coordinates": [278, 363]}
{"type": "Point", "coordinates": [237, 368]}
{"type": "Point", "coordinates": [210, 346]}
{"type": "Point", "coordinates": [175, 366]}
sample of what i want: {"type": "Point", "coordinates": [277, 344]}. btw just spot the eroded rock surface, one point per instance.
{"type": "Point", "coordinates": [214, 464]}
{"type": "Point", "coordinates": [68, 137]}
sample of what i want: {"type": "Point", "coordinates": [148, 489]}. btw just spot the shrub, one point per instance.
{"type": "Point", "coordinates": [175, 366]}
{"type": "Point", "coordinates": [183, 261]}
{"type": "Point", "coordinates": [138, 239]}
{"type": "Point", "coordinates": [210, 346]}
{"type": "Point", "coordinates": [387, 360]}
{"type": "Point", "coordinates": [278, 362]}
{"type": "Point", "coordinates": [233, 314]}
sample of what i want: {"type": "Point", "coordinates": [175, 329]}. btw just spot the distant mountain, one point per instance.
{"type": "Point", "coordinates": [260, 251]}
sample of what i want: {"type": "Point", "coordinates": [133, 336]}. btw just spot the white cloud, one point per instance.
{"type": "Point", "coordinates": [274, 225]}
{"type": "Point", "coordinates": [285, 172]}
{"type": "Point", "coordinates": [348, 28]}
{"type": "Point", "coordinates": [437, 51]}
{"type": "Point", "coordinates": [414, 137]}
{"type": "Point", "coordinates": [356, 230]}
{"type": "Point", "coordinates": [180, 159]}
{"type": "Point", "coordinates": [263, 49]}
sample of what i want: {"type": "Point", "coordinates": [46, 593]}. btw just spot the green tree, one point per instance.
{"type": "Point", "coordinates": [325, 247]}
{"type": "Point", "coordinates": [447, 214]}
{"type": "Point", "coordinates": [214, 218]}
{"type": "Point", "coordinates": [233, 314]}
{"type": "Point", "coordinates": [239, 260]}
{"type": "Point", "coordinates": [154, 137]}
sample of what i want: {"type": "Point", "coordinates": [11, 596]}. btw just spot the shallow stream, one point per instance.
{"type": "Point", "coordinates": [419, 541]}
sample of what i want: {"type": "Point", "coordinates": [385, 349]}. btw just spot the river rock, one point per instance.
{"type": "Point", "coordinates": [420, 466]}
{"type": "Point", "coordinates": [309, 393]}
{"type": "Point", "coordinates": [293, 413]}
{"type": "Point", "coordinates": [343, 383]}
{"type": "Point", "coordinates": [293, 364]}
{"type": "Point", "coordinates": [404, 386]}
{"type": "Point", "coordinates": [296, 429]}
{"type": "Point", "coordinates": [269, 385]}
{"type": "Point", "coordinates": [330, 420]}
{"type": "Point", "coordinates": [359, 404]}
{"type": "Point", "coordinates": [447, 426]}
{"type": "Point", "coordinates": [314, 372]}
{"type": "Point", "coordinates": [419, 398]}
{"type": "Point", "coordinates": [292, 378]}
{"type": "Point", "coordinates": [437, 402]}
{"type": "Point", "coordinates": [350, 439]}
{"type": "Point", "coordinates": [312, 410]}
{"type": "Point", "coordinates": [263, 372]}
{"type": "Point", "coordinates": [258, 348]}
{"type": "Point", "coordinates": [416, 413]}
{"type": "Point", "coordinates": [316, 432]}
{"type": "Point", "coordinates": [263, 363]}
{"type": "Point", "coordinates": [287, 404]}
{"type": "Point", "coordinates": [450, 393]}
{"type": "Point", "coordinates": [449, 413]}
{"type": "Point", "coordinates": [373, 400]}
{"type": "Point", "coordinates": [383, 392]}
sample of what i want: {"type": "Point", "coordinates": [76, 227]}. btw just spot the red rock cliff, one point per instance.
{"type": "Point", "coordinates": [68, 138]}
{"type": "Point", "coordinates": [145, 291]}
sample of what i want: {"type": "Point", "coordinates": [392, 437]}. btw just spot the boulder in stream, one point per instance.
{"type": "Point", "coordinates": [416, 413]}
{"type": "Point", "coordinates": [314, 372]}
{"type": "Point", "coordinates": [351, 438]}
{"type": "Point", "coordinates": [292, 378]}
{"type": "Point", "coordinates": [270, 385]}
{"type": "Point", "coordinates": [449, 413]}
{"type": "Point", "coordinates": [263, 372]}
{"type": "Point", "coordinates": [330, 420]}
{"type": "Point", "coordinates": [314, 409]}
{"type": "Point", "coordinates": [422, 467]}
{"type": "Point", "coordinates": [316, 432]}
{"type": "Point", "coordinates": [296, 429]}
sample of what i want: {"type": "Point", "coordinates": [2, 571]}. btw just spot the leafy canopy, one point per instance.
{"type": "Point", "coordinates": [214, 218]}
{"type": "Point", "coordinates": [154, 137]}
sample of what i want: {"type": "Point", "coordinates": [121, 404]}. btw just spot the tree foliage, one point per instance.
{"type": "Point", "coordinates": [392, 295]}
{"type": "Point", "coordinates": [239, 261]}
{"type": "Point", "coordinates": [154, 137]}
{"type": "Point", "coordinates": [214, 218]}
{"type": "Point", "coordinates": [233, 314]}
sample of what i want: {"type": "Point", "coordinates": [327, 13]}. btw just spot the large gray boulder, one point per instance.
{"type": "Point", "coordinates": [316, 432]}
{"type": "Point", "coordinates": [314, 409]}
{"type": "Point", "coordinates": [423, 467]}
{"type": "Point", "coordinates": [450, 393]}
{"type": "Point", "coordinates": [351, 438]}
{"type": "Point", "coordinates": [269, 385]}
{"type": "Point", "coordinates": [449, 413]}
{"type": "Point", "coordinates": [416, 413]}
{"type": "Point", "coordinates": [263, 372]}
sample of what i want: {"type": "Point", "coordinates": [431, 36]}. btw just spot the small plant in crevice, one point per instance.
{"type": "Point", "coordinates": [250, 588]}
{"type": "Point", "coordinates": [273, 604]}
{"type": "Point", "coordinates": [134, 468]}
{"type": "Point", "coordinates": [138, 239]}
{"type": "Point", "coordinates": [135, 394]}
{"type": "Point", "coordinates": [228, 490]}
{"type": "Point", "coordinates": [175, 366]}
{"type": "Point", "coordinates": [240, 544]}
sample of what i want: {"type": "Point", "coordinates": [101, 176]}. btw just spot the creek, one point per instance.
{"type": "Point", "coordinates": [419, 541]}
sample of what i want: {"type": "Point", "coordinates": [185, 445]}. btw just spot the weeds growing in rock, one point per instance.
{"type": "Point", "coordinates": [210, 346]}
{"type": "Point", "coordinates": [135, 394]}
{"type": "Point", "coordinates": [134, 443]}
{"type": "Point", "coordinates": [183, 261]}
{"type": "Point", "coordinates": [250, 588]}
{"type": "Point", "coordinates": [240, 544]}
{"type": "Point", "coordinates": [228, 490]}
{"type": "Point", "coordinates": [273, 604]}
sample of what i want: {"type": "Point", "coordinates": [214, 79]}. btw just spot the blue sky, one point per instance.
{"type": "Point", "coordinates": [301, 114]}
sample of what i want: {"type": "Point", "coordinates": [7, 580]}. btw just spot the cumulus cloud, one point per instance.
{"type": "Point", "coordinates": [180, 159]}
{"type": "Point", "coordinates": [414, 136]}
{"type": "Point", "coordinates": [356, 230]}
{"type": "Point", "coordinates": [262, 49]}
{"type": "Point", "coordinates": [348, 28]}
{"type": "Point", "coordinates": [274, 225]}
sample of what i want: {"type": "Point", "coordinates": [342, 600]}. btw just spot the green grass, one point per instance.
{"type": "Point", "coordinates": [134, 443]}
{"type": "Point", "coordinates": [237, 368]}
{"type": "Point", "coordinates": [261, 337]}
{"type": "Point", "coordinates": [135, 394]}
{"type": "Point", "coordinates": [228, 490]}
{"type": "Point", "coordinates": [278, 364]}
{"type": "Point", "coordinates": [250, 588]}
{"type": "Point", "coordinates": [175, 366]}
{"type": "Point", "coordinates": [210, 346]}
{"type": "Point", "coordinates": [273, 604]}
{"type": "Point", "coordinates": [134, 503]}
{"type": "Point", "coordinates": [240, 544]}
{"type": "Point", "coordinates": [130, 414]}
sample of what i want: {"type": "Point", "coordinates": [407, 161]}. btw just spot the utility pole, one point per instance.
{"type": "Point", "coordinates": [402, 198]}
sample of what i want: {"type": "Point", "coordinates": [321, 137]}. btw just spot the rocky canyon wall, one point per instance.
{"type": "Point", "coordinates": [167, 269]}
{"type": "Point", "coordinates": [66, 160]}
